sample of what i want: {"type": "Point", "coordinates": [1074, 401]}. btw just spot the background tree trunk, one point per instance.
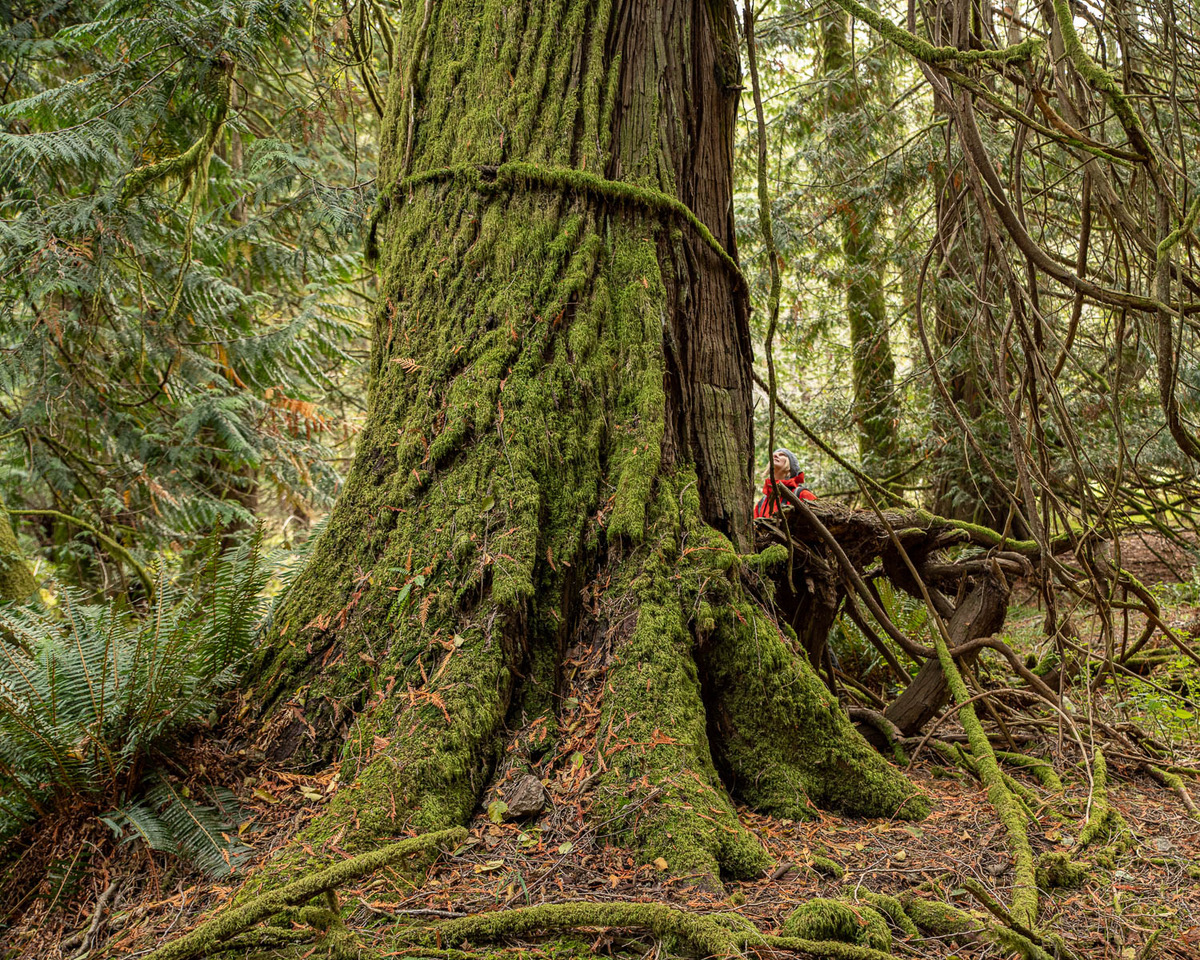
{"type": "Point", "coordinates": [16, 579]}
{"type": "Point", "coordinates": [557, 456]}
{"type": "Point", "coordinates": [876, 410]}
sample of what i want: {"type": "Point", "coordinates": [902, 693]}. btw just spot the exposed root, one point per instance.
{"type": "Point", "coordinates": [943, 920]}
{"type": "Point", "coordinates": [1008, 808]}
{"type": "Point", "coordinates": [890, 907]}
{"type": "Point", "coordinates": [206, 938]}
{"type": "Point", "coordinates": [1104, 822]}
{"type": "Point", "coordinates": [821, 919]}
{"type": "Point", "coordinates": [1039, 768]}
{"type": "Point", "coordinates": [1175, 783]}
{"type": "Point", "coordinates": [689, 933]}
{"type": "Point", "coordinates": [1057, 870]}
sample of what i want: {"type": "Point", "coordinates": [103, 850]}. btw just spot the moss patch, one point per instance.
{"type": "Point", "coordinates": [821, 919]}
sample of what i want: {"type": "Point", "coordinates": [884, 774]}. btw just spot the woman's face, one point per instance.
{"type": "Point", "coordinates": [781, 467]}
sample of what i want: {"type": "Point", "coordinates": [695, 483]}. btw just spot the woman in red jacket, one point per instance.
{"type": "Point", "coordinates": [785, 470]}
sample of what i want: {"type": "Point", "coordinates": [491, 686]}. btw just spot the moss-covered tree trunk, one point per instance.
{"type": "Point", "coordinates": [557, 456]}
{"type": "Point", "coordinates": [16, 579]}
{"type": "Point", "coordinates": [876, 410]}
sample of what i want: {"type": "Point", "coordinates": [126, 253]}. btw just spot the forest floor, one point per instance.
{"type": "Point", "coordinates": [1143, 904]}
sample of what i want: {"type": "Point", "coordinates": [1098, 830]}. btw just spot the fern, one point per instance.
{"type": "Point", "coordinates": [91, 694]}
{"type": "Point", "coordinates": [167, 820]}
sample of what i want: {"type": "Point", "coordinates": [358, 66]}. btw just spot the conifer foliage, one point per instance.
{"type": "Point", "coordinates": [180, 286]}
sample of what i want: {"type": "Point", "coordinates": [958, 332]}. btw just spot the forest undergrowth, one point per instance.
{"type": "Point", "coordinates": [1133, 893]}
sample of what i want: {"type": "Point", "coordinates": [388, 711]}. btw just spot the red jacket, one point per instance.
{"type": "Point", "coordinates": [766, 508]}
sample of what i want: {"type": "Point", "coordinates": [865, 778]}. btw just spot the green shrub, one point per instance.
{"type": "Point", "coordinates": [92, 695]}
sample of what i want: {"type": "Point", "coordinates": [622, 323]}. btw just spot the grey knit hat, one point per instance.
{"type": "Point", "coordinates": [793, 462]}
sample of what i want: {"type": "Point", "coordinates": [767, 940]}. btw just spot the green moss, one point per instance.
{"type": "Point", "coordinates": [1039, 768]}
{"type": "Point", "coordinates": [1055, 870]}
{"type": "Point", "coordinates": [890, 907]}
{"type": "Point", "coordinates": [827, 867]}
{"type": "Point", "coordinates": [235, 920]}
{"type": "Point", "coordinates": [936, 917]}
{"type": "Point", "coordinates": [1006, 803]}
{"type": "Point", "coordinates": [784, 740]}
{"type": "Point", "coordinates": [691, 934]}
{"type": "Point", "coordinates": [821, 919]}
{"type": "Point", "coordinates": [1104, 822]}
{"type": "Point", "coordinates": [774, 555]}
{"type": "Point", "coordinates": [662, 789]}
{"type": "Point", "coordinates": [16, 580]}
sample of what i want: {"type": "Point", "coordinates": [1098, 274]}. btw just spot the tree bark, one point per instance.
{"type": "Point", "coordinates": [557, 456]}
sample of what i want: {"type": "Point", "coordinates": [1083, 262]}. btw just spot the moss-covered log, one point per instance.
{"type": "Point", "coordinates": [558, 452]}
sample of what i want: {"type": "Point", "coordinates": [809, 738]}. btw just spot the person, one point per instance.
{"type": "Point", "coordinates": [785, 470]}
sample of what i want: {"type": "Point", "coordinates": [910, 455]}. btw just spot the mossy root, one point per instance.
{"type": "Point", "coordinates": [821, 919]}
{"type": "Point", "coordinates": [229, 923]}
{"type": "Point", "coordinates": [694, 934]}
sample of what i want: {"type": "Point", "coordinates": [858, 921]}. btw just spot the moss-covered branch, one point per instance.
{"type": "Point", "coordinates": [1104, 820]}
{"type": "Point", "coordinates": [229, 923]}
{"type": "Point", "coordinates": [115, 548]}
{"type": "Point", "coordinates": [695, 934]}
{"type": "Point", "coordinates": [1101, 80]}
{"type": "Point", "coordinates": [927, 53]}
{"type": "Point", "coordinates": [182, 165]}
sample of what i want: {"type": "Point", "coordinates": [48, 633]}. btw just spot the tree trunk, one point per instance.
{"type": "Point", "coordinates": [16, 579]}
{"type": "Point", "coordinates": [556, 463]}
{"type": "Point", "coordinates": [876, 411]}
{"type": "Point", "coordinates": [966, 282]}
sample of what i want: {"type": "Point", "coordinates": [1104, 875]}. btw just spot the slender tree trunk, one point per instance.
{"type": "Point", "coordinates": [556, 463]}
{"type": "Point", "coordinates": [876, 411]}
{"type": "Point", "coordinates": [963, 489]}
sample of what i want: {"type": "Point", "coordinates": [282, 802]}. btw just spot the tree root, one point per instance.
{"type": "Point", "coordinates": [1104, 821]}
{"type": "Point", "coordinates": [204, 939]}
{"type": "Point", "coordinates": [1039, 768]}
{"type": "Point", "coordinates": [1175, 783]}
{"type": "Point", "coordinates": [943, 920]}
{"type": "Point", "coordinates": [694, 934]}
{"type": "Point", "coordinates": [1057, 870]}
{"type": "Point", "coordinates": [890, 907]}
{"type": "Point", "coordinates": [1008, 807]}
{"type": "Point", "coordinates": [822, 919]}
